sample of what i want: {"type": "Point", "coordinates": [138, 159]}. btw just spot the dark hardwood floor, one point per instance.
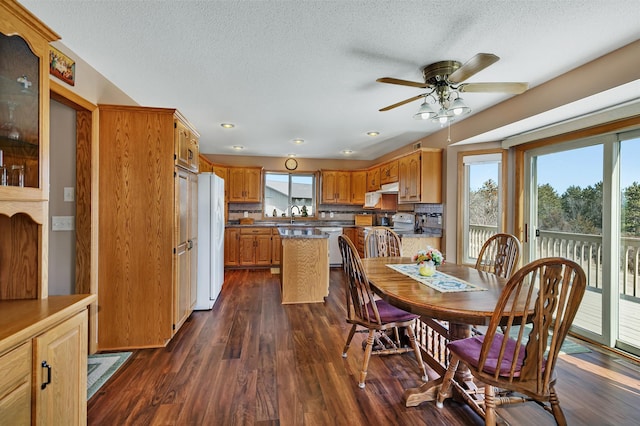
{"type": "Point", "coordinates": [253, 361]}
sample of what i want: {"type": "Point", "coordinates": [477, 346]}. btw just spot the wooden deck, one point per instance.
{"type": "Point", "coordinates": [590, 317]}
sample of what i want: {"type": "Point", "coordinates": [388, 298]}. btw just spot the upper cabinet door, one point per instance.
{"type": "Point", "coordinates": [389, 172]}
{"type": "Point", "coordinates": [358, 186]}
{"type": "Point", "coordinates": [186, 147]}
{"type": "Point", "coordinates": [373, 179]}
{"type": "Point", "coordinates": [24, 108]}
{"type": "Point", "coordinates": [245, 184]}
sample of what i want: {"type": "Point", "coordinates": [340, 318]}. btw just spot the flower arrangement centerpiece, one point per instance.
{"type": "Point", "coordinates": [427, 261]}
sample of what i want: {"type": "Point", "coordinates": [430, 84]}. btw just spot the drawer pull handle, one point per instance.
{"type": "Point", "coordinates": [48, 367]}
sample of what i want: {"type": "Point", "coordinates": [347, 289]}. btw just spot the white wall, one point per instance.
{"type": "Point", "coordinates": [90, 84]}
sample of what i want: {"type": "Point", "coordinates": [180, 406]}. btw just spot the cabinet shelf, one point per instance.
{"type": "Point", "coordinates": [5, 142]}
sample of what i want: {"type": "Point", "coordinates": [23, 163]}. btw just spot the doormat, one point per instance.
{"type": "Point", "coordinates": [101, 367]}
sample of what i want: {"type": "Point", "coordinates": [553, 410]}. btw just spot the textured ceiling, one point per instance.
{"type": "Point", "coordinates": [281, 70]}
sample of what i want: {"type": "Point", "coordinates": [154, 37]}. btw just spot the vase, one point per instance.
{"type": "Point", "coordinates": [427, 269]}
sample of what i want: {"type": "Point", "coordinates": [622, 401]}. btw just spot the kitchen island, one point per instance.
{"type": "Point", "coordinates": [304, 268]}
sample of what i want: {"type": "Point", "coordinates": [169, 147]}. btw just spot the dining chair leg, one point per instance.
{"type": "Point", "coordinates": [367, 356]}
{"type": "Point", "coordinates": [346, 346]}
{"type": "Point", "coordinates": [555, 408]}
{"type": "Point", "coordinates": [489, 406]}
{"type": "Point", "coordinates": [445, 388]}
{"type": "Point", "coordinates": [416, 350]}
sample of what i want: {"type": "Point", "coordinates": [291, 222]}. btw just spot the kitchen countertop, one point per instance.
{"type": "Point", "coordinates": [302, 224]}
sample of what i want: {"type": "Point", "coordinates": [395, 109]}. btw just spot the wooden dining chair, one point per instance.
{"type": "Point", "coordinates": [382, 242]}
{"type": "Point", "coordinates": [521, 360]}
{"type": "Point", "coordinates": [374, 316]}
{"type": "Point", "coordinates": [499, 255]}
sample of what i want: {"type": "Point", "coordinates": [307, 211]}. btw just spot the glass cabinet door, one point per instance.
{"type": "Point", "coordinates": [19, 113]}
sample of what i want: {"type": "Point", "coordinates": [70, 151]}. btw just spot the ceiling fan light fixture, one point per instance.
{"type": "Point", "coordinates": [425, 112]}
{"type": "Point", "coordinates": [458, 107]}
{"type": "Point", "coordinates": [443, 116]}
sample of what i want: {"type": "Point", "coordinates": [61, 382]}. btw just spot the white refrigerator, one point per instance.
{"type": "Point", "coordinates": [210, 239]}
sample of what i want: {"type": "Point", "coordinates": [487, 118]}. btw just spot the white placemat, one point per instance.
{"type": "Point", "coordinates": [439, 281]}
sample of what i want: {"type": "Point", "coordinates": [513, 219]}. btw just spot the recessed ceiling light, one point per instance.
{"type": "Point", "coordinates": [291, 155]}
{"type": "Point", "coordinates": [238, 147]}
{"type": "Point", "coordinates": [228, 125]}
{"type": "Point", "coordinates": [298, 141]}
{"type": "Point", "coordinates": [347, 151]}
{"type": "Point", "coordinates": [373, 133]}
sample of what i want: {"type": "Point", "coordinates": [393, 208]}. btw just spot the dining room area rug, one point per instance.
{"type": "Point", "coordinates": [101, 367]}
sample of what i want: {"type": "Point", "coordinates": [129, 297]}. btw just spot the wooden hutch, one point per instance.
{"type": "Point", "coordinates": [43, 340]}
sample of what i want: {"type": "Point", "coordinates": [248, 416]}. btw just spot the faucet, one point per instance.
{"type": "Point", "coordinates": [291, 206]}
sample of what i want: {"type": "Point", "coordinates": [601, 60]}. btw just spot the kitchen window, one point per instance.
{"type": "Point", "coordinates": [287, 193]}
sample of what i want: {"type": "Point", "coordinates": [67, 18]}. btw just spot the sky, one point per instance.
{"type": "Point", "coordinates": [581, 167]}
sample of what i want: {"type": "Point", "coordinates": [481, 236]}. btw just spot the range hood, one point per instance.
{"type": "Point", "coordinates": [389, 188]}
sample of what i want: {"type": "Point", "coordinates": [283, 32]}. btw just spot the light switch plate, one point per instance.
{"type": "Point", "coordinates": [63, 223]}
{"type": "Point", "coordinates": [69, 194]}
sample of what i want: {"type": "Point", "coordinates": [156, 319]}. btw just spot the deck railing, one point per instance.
{"type": "Point", "coordinates": [584, 249]}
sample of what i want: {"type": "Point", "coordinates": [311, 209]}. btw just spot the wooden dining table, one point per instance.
{"type": "Point", "coordinates": [455, 312]}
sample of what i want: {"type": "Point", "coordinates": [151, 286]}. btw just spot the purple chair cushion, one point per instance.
{"type": "Point", "coordinates": [469, 351]}
{"type": "Point", "coordinates": [389, 313]}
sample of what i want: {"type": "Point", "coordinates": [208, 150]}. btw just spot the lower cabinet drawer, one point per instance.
{"type": "Point", "coordinates": [15, 385]}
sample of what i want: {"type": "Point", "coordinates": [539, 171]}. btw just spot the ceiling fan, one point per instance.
{"type": "Point", "coordinates": [444, 79]}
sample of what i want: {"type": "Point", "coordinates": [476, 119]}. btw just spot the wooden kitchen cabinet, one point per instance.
{"type": "Point", "coordinates": [350, 233]}
{"type": "Point", "coordinates": [420, 177]}
{"type": "Point", "coordinates": [336, 187]}
{"type": "Point", "coordinates": [43, 359]}
{"type": "Point", "coordinates": [186, 202]}
{"type": "Point", "coordinates": [60, 356]}
{"type": "Point", "coordinates": [304, 274]}
{"type": "Point", "coordinates": [146, 222]}
{"type": "Point", "coordinates": [255, 246]}
{"type": "Point", "coordinates": [373, 179]}
{"type": "Point", "coordinates": [34, 327]}
{"type": "Point", "coordinates": [15, 385]}
{"type": "Point", "coordinates": [187, 151]}
{"type": "Point", "coordinates": [231, 246]}
{"type": "Point", "coordinates": [24, 142]}
{"type": "Point", "coordinates": [276, 247]}
{"type": "Point", "coordinates": [245, 184]}
{"type": "Point", "coordinates": [389, 172]}
{"type": "Point", "coordinates": [359, 241]}
{"type": "Point", "coordinates": [409, 178]}
{"type": "Point", "coordinates": [204, 165]}
{"type": "Point", "coordinates": [358, 186]}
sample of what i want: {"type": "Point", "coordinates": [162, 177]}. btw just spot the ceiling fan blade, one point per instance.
{"type": "Point", "coordinates": [473, 66]}
{"type": "Point", "coordinates": [406, 101]}
{"type": "Point", "coordinates": [514, 88]}
{"type": "Point", "coordinates": [391, 80]}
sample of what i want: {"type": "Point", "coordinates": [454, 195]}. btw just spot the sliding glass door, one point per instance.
{"type": "Point", "coordinates": [566, 218]}
{"type": "Point", "coordinates": [629, 244]}
{"type": "Point", "coordinates": [582, 202]}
